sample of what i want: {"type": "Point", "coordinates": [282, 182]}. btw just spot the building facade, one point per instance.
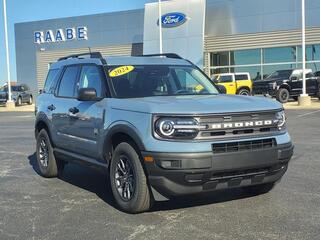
{"type": "Point", "coordinates": [255, 36]}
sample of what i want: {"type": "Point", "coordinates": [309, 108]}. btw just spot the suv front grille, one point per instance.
{"type": "Point", "coordinates": [237, 125]}
{"type": "Point", "coordinates": [243, 146]}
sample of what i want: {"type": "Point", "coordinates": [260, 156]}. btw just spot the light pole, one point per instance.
{"type": "Point", "coordinates": [7, 51]}
{"type": "Point", "coordinates": [304, 99]}
{"type": "Point", "coordinates": [304, 92]}
{"type": "Point", "coordinates": [160, 27]}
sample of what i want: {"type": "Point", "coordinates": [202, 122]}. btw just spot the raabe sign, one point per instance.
{"type": "Point", "coordinates": [61, 35]}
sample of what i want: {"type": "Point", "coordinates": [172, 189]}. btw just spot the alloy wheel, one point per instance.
{"type": "Point", "coordinates": [43, 153]}
{"type": "Point", "coordinates": [125, 178]}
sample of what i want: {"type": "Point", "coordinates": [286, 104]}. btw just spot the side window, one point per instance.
{"type": "Point", "coordinates": [68, 82]}
{"type": "Point", "coordinates": [240, 77]}
{"type": "Point", "coordinates": [226, 79]}
{"type": "Point", "coordinates": [51, 81]}
{"type": "Point", "coordinates": [90, 77]}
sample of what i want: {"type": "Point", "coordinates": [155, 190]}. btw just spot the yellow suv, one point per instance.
{"type": "Point", "coordinates": [235, 83]}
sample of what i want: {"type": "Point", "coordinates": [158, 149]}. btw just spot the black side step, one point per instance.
{"type": "Point", "coordinates": [74, 157]}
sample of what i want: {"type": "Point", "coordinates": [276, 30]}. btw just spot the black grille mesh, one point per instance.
{"type": "Point", "coordinates": [243, 145]}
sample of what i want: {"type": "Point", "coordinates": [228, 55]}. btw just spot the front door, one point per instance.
{"type": "Point", "coordinates": [229, 83]}
{"type": "Point", "coordinates": [86, 117]}
{"type": "Point", "coordinates": [297, 85]}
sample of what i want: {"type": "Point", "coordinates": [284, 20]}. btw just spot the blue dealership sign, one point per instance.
{"type": "Point", "coordinates": [173, 19]}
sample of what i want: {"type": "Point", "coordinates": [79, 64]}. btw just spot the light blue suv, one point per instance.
{"type": "Point", "coordinates": [159, 127]}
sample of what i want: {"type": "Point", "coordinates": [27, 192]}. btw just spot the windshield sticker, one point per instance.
{"type": "Point", "coordinates": [119, 71]}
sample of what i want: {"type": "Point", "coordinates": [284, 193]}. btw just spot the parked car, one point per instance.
{"type": "Point", "coordinates": [20, 94]}
{"type": "Point", "coordinates": [145, 122]}
{"type": "Point", "coordinates": [317, 74]}
{"type": "Point", "coordinates": [283, 84]}
{"type": "Point", "coordinates": [235, 83]}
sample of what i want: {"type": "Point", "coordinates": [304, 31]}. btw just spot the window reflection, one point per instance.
{"type": "Point", "coordinates": [312, 52]}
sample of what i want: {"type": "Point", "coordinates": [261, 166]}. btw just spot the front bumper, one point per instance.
{"type": "Point", "coordinates": [264, 90]}
{"type": "Point", "coordinates": [175, 174]}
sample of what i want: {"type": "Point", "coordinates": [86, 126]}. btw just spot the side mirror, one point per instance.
{"type": "Point", "coordinates": [294, 78]}
{"type": "Point", "coordinates": [222, 89]}
{"type": "Point", "coordinates": [87, 94]}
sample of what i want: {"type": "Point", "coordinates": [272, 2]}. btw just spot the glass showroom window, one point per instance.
{"type": "Point", "coordinates": [244, 57]}
{"type": "Point", "coordinates": [262, 62]}
{"type": "Point", "coordinates": [280, 54]}
{"type": "Point", "coordinates": [312, 53]}
{"type": "Point", "coordinates": [219, 59]}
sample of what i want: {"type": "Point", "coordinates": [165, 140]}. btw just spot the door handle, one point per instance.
{"type": "Point", "coordinates": [51, 107]}
{"type": "Point", "coordinates": [73, 110]}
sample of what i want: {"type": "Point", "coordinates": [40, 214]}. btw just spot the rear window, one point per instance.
{"type": "Point", "coordinates": [51, 81]}
{"type": "Point", "coordinates": [241, 77]}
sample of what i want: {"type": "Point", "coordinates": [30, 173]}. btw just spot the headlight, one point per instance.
{"type": "Point", "coordinates": [176, 128]}
{"type": "Point", "coordinates": [273, 85]}
{"type": "Point", "coordinates": [281, 119]}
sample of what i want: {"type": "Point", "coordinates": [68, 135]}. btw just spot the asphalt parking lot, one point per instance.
{"type": "Point", "coordinates": [79, 204]}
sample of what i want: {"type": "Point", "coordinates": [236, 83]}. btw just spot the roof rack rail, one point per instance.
{"type": "Point", "coordinates": [168, 55]}
{"type": "Point", "coordinates": [91, 54]}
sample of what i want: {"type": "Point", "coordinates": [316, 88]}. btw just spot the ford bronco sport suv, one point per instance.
{"type": "Point", "coordinates": [146, 122]}
{"type": "Point", "coordinates": [235, 83]}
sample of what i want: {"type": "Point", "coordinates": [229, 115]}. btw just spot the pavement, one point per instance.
{"type": "Point", "coordinates": [315, 104]}
{"type": "Point", "coordinates": [22, 108]}
{"type": "Point", "coordinates": [79, 204]}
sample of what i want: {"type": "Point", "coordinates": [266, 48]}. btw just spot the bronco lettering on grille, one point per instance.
{"type": "Point", "coordinates": [243, 124]}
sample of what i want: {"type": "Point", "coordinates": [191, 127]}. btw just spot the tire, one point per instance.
{"type": "Point", "coordinates": [30, 102]}
{"type": "Point", "coordinates": [283, 95]}
{"type": "Point", "coordinates": [19, 101]}
{"type": "Point", "coordinates": [47, 163]}
{"type": "Point", "coordinates": [244, 92]}
{"type": "Point", "coordinates": [128, 180]}
{"type": "Point", "coordinates": [259, 189]}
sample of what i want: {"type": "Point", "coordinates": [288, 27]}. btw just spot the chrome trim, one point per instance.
{"type": "Point", "coordinates": [177, 126]}
{"type": "Point", "coordinates": [77, 138]}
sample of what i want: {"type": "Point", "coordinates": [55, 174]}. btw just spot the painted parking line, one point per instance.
{"type": "Point", "coordinates": [309, 113]}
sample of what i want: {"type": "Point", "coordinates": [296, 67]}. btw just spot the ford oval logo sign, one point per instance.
{"type": "Point", "coordinates": [173, 19]}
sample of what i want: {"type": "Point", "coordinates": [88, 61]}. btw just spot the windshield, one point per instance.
{"type": "Point", "coordinates": [280, 74]}
{"type": "Point", "coordinates": [158, 80]}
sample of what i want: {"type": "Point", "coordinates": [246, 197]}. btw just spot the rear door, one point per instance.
{"type": "Point", "coordinates": [64, 99]}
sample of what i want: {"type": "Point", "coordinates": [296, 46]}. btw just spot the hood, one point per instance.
{"type": "Point", "coordinates": [213, 104]}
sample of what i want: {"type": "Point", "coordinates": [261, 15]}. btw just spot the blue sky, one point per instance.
{"type": "Point", "coordinates": [32, 10]}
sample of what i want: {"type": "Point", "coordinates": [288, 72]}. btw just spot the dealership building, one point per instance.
{"type": "Point", "coordinates": [255, 36]}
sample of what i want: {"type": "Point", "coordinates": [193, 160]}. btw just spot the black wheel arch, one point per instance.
{"type": "Point", "coordinates": [286, 86]}
{"type": "Point", "coordinates": [118, 133]}
{"type": "Point", "coordinates": [243, 87]}
{"type": "Point", "coordinates": [42, 122]}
